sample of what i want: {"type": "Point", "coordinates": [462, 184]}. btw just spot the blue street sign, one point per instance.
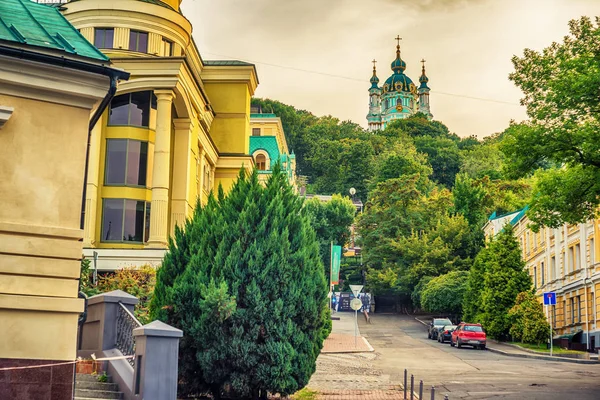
{"type": "Point", "coordinates": [549, 299]}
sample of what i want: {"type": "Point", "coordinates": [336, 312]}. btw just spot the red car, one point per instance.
{"type": "Point", "coordinates": [468, 334]}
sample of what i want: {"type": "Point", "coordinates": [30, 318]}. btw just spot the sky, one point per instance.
{"type": "Point", "coordinates": [316, 54]}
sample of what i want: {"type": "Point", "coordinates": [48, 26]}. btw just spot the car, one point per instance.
{"type": "Point", "coordinates": [445, 333]}
{"type": "Point", "coordinates": [469, 335]}
{"type": "Point", "coordinates": [434, 325]}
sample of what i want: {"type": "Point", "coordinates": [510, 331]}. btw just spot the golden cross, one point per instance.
{"type": "Point", "coordinates": [423, 62]}
{"type": "Point", "coordinates": [398, 38]}
{"type": "Point", "coordinates": [374, 62]}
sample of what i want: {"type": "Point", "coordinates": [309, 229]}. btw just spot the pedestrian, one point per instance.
{"type": "Point", "coordinates": [334, 302]}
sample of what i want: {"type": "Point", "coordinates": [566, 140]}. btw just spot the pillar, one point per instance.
{"type": "Point", "coordinates": [93, 182]}
{"type": "Point", "coordinates": [201, 172]}
{"type": "Point", "coordinates": [182, 172]}
{"type": "Point", "coordinates": [156, 357]}
{"type": "Point", "coordinates": [159, 211]}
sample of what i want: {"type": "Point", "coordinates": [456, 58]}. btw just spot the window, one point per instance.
{"type": "Point", "coordinates": [126, 162]}
{"type": "Point", "coordinates": [125, 220]}
{"type": "Point", "coordinates": [104, 38]}
{"type": "Point", "coordinates": [564, 310]}
{"type": "Point", "coordinates": [572, 310]}
{"type": "Point", "coordinates": [535, 277]}
{"type": "Point", "coordinates": [579, 309]}
{"type": "Point", "coordinates": [542, 273]}
{"type": "Point", "coordinates": [133, 109]}
{"type": "Point", "coordinates": [553, 322]}
{"type": "Point", "coordinates": [553, 266]}
{"type": "Point", "coordinates": [255, 131]}
{"type": "Point", "coordinates": [261, 162]}
{"type": "Point", "coordinates": [592, 253]}
{"type": "Point", "coordinates": [138, 41]}
{"type": "Point", "coordinates": [167, 48]}
{"type": "Point", "coordinates": [207, 175]}
{"type": "Point", "coordinates": [577, 256]}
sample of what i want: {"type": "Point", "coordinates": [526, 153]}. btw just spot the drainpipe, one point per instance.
{"type": "Point", "coordinates": [105, 102]}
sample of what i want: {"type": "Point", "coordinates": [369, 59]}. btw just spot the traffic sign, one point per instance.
{"type": "Point", "coordinates": [356, 304]}
{"type": "Point", "coordinates": [356, 289]}
{"type": "Point", "coordinates": [550, 299]}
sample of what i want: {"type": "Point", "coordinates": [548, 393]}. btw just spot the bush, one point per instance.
{"type": "Point", "coordinates": [444, 294]}
{"type": "Point", "coordinates": [245, 283]}
{"type": "Point", "coordinates": [529, 323]}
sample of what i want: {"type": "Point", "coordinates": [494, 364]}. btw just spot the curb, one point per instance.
{"type": "Point", "coordinates": [424, 323]}
{"type": "Point", "coordinates": [515, 346]}
{"type": "Point", "coordinates": [541, 357]}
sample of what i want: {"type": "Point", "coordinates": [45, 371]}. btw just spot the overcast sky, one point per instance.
{"type": "Point", "coordinates": [316, 54]}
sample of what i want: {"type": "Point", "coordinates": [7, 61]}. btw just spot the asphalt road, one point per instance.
{"type": "Point", "coordinates": [401, 342]}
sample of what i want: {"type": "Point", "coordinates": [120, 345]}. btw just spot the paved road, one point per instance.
{"type": "Point", "coordinates": [401, 342]}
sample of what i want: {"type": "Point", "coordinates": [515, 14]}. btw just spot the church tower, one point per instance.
{"type": "Point", "coordinates": [424, 93]}
{"type": "Point", "coordinates": [374, 116]}
{"type": "Point", "coordinates": [398, 97]}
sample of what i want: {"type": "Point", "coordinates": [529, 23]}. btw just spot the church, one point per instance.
{"type": "Point", "coordinates": [399, 97]}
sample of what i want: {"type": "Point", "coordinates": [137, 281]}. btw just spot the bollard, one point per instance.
{"type": "Point", "coordinates": [405, 383]}
{"type": "Point", "coordinates": [412, 387]}
{"type": "Point", "coordinates": [421, 390]}
{"type": "Point", "coordinates": [433, 393]}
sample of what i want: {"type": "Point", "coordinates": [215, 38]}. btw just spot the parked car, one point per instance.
{"type": "Point", "coordinates": [445, 333]}
{"type": "Point", "coordinates": [437, 323]}
{"type": "Point", "coordinates": [468, 334]}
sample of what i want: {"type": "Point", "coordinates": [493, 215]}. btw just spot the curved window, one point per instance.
{"type": "Point", "coordinates": [126, 162]}
{"type": "Point", "coordinates": [261, 162]}
{"type": "Point", "coordinates": [138, 41]}
{"type": "Point", "coordinates": [125, 220]}
{"type": "Point", "coordinates": [133, 109]}
{"type": "Point", "coordinates": [104, 38]}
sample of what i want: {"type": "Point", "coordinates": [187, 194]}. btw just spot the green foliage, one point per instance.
{"type": "Point", "coordinates": [85, 280]}
{"type": "Point", "coordinates": [444, 157]}
{"type": "Point", "coordinates": [495, 279]}
{"type": "Point", "coordinates": [560, 87]}
{"type": "Point", "coordinates": [331, 222]}
{"type": "Point", "coordinates": [103, 378]}
{"type": "Point", "coordinates": [444, 294]}
{"type": "Point", "coordinates": [529, 323]}
{"type": "Point", "coordinates": [245, 283]}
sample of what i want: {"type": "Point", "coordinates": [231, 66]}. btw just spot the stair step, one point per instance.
{"type": "Point", "coordinates": [88, 378]}
{"type": "Point", "coordinates": [97, 386]}
{"type": "Point", "coordinates": [98, 394]}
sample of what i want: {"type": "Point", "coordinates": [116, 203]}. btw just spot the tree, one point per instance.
{"type": "Point", "coordinates": [529, 323]}
{"type": "Point", "coordinates": [444, 157]}
{"type": "Point", "coordinates": [496, 278]}
{"type": "Point", "coordinates": [560, 87]}
{"type": "Point", "coordinates": [245, 284]}
{"type": "Point", "coordinates": [444, 294]}
{"type": "Point", "coordinates": [331, 222]}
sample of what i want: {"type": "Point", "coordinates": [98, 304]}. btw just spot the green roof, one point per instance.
{"type": "Point", "coordinates": [226, 63]}
{"type": "Point", "coordinates": [265, 115]}
{"type": "Point", "coordinates": [24, 22]}
{"type": "Point", "coordinates": [266, 143]}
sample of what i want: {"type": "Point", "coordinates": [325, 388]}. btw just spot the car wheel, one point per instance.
{"type": "Point", "coordinates": [451, 343]}
{"type": "Point", "coordinates": [458, 344]}
{"type": "Point", "coordinates": [482, 347]}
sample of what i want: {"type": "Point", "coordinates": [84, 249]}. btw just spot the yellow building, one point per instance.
{"type": "Point", "coordinates": [53, 85]}
{"type": "Point", "coordinates": [565, 261]}
{"type": "Point", "coordinates": [269, 146]}
{"type": "Point", "coordinates": [179, 128]}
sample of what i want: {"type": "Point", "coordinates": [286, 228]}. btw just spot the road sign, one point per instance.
{"type": "Point", "coordinates": [550, 299]}
{"type": "Point", "coordinates": [356, 289]}
{"type": "Point", "coordinates": [356, 304]}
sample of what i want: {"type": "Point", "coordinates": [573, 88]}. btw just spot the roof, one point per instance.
{"type": "Point", "coordinates": [24, 22]}
{"type": "Point", "coordinates": [266, 143]}
{"type": "Point", "coordinates": [263, 115]}
{"type": "Point", "coordinates": [227, 63]}
{"type": "Point", "coordinates": [520, 215]}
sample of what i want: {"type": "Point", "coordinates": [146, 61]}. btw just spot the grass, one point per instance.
{"type": "Point", "coordinates": [542, 348]}
{"type": "Point", "coordinates": [305, 394]}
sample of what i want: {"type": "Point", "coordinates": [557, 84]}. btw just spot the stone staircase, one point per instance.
{"type": "Point", "coordinates": [87, 387]}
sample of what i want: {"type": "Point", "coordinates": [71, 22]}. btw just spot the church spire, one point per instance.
{"type": "Point", "coordinates": [398, 65]}
{"type": "Point", "coordinates": [374, 79]}
{"type": "Point", "coordinates": [423, 78]}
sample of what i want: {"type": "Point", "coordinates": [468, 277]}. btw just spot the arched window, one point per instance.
{"type": "Point", "coordinates": [261, 162]}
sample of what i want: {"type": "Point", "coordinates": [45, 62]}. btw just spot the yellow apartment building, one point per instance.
{"type": "Point", "coordinates": [565, 261]}
{"type": "Point", "coordinates": [179, 128]}
{"type": "Point", "coordinates": [268, 146]}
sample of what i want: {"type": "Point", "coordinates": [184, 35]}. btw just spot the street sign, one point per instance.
{"type": "Point", "coordinates": [356, 289]}
{"type": "Point", "coordinates": [550, 299]}
{"type": "Point", "coordinates": [356, 304]}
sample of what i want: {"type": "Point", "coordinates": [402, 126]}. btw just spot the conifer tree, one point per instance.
{"type": "Point", "coordinates": [245, 283]}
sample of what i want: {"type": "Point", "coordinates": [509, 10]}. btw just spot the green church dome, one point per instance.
{"type": "Point", "coordinates": [398, 82]}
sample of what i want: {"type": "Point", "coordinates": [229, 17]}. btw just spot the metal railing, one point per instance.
{"type": "Point", "coordinates": [409, 391]}
{"type": "Point", "coordinates": [126, 323]}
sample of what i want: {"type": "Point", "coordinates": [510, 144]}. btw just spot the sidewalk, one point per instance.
{"type": "Point", "coordinates": [342, 340]}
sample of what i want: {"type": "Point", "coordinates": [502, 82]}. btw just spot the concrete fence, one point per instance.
{"type": "Point", "coordinates": [112, 331]}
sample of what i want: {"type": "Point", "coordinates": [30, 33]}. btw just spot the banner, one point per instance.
{"type": "Point", "coordinates": [336, 257]}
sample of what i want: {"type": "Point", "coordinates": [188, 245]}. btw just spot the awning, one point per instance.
{"type": "Point", "coordinates": [569, 336]}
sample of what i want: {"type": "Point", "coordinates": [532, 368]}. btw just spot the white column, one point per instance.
{"type": "Point", "coordinates": [159, 212]}
{"type": "Point", "coordinates": [93, 182]}
{"type": "Point", "coordinates": [182, 172]}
